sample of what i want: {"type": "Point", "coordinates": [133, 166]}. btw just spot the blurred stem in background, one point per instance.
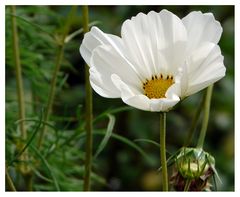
{"type": "Point", "coordinates": [194, 122]}
{"type": "Point", "coordinates": [19, 80]}
{"type": "Point", "coordinates": [24, 168]}
{"type": "Point", "coordinates": [52, 91]}
{"type": "Point", "coordinates": [206, 106]}
{"type": "Point", "coordinates": [60, 51]}
{"type": "Point", "coordinates": [88, 102]}
{"type": "Point", "coordinates": [163, 150]}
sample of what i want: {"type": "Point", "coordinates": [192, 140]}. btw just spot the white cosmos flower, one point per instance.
{"type": "Point", "coordinates": [158, 60]}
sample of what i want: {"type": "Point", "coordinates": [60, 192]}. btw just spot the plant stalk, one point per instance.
{"type": "Point", "coordinates": [163, 150]}
{"type": "Point", "coordinates": [52, 92]}
{"type": "Point", "coordinates": [60, 52]}
{"type": "Point", "coordinates": [24, 168]}
{"type": "Point", "coordinates": [19, 80]}
{"type": "Point", "coordinates": [194, 123]}
{"type": "Point", "coordinates": [88, 102]}
{"type": "Point", "coordinates": [207, 104]}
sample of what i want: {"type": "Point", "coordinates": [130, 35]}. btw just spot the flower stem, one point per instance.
{"type": "Point", "coordinates": [207, 104]}
{"type": "Point", "coordinates": [88, 102]}
{"type": "Point", "coordinates": [194, 123]}
{"type": "Point", "coordinates": [163, 150]}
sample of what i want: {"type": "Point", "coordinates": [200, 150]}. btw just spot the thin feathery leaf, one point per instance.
{"type": "Point", "coordinates": [33, 24]}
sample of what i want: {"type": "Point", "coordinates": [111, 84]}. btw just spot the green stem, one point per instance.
{"type": "Point", "coordinates": [19, 80]}
{"type": "Point", "coordinates": [187, 185]}
{"type": "Point", "coordinates": [60, 52]}
{"type": "Point", "coordinates": [52, 92]}
{"type": "Point", "coordinates": [207, 104]}
{"type": "Point", "coordinates": [194, 123]}
{"type": "Point", "coordinates": [9, 181]}
{"type": "Point", "coordinates": [88, 102]}
{"type": "Point", "coordinates": [163, 150]}
{"type": "Point", "coordinates": [24, 169]}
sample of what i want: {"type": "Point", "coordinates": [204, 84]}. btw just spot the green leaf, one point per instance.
{"type": "Point", "coordinates": [148, 141]}
{"type": "Point", "coordinates": [107, 135]}
{"type": "Point", "coordinates": [112, 111]}
{"type": "Point", "coordinates": [123, 140]}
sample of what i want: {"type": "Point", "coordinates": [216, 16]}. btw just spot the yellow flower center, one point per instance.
{"type": "Point", "coordinates": [157, 86]}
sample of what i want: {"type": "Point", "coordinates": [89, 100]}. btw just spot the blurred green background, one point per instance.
{"type": "Point", "coordinates": [119, 167]}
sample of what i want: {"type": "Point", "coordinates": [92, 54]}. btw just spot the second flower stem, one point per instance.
{"type": "Point", "coordinates": [207, 103]}
{"type": "Point", "coordinates": [163, 150]}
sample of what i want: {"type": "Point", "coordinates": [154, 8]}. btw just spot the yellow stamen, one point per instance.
{"type": "Point", "coordinates": [156, 87]}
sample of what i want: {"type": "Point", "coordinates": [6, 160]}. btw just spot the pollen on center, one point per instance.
{"type": "Point", "coordinates": [157, 86]}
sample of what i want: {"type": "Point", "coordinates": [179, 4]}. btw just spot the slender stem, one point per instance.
{"type": "Point", "coordinates": [20, 90]}
{"type": "Point", "coordinates": [163, 150]}
{"type": "Point", "coordinates": [24, 168]}
{"type": "Point", "coordinates": [9, 181]}
{"type": "Point", "coordinates": [88, 102]}
{"type": "Point", "coordinates": [194, 123]}
{"type": "Point", "coordinates": [207, 104]}
{"type": "Point", "coordinates": [52, 92]}
{"type": "Point", "coordinates": [60, 52]}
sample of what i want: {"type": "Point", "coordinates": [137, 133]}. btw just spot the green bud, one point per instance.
{"type": "Point", "coordinates": [193, 168]}
{"type": "Point", "coordinates": [192, 163]}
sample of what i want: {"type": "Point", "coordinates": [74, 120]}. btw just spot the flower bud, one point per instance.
{"type": "Point", "coordinates": [193, 166]}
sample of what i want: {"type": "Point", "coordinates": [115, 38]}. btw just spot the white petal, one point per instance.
{"type": "Point", "coordinates": [201, 28]}
{"type": "Point", "coordinates": [164, 104]}
{"type": "Point", "coordinates": [106, 61]}
{"type": "Point", "coordinates": [199, 86]}
{"type": "Point", "coordinates": [136, 99]}
{"type": "Point", "coordinates": [102, 84]}
{"type": "Point", "coordinates": [205, 67]}
{"type": "Point", "coordinates": [144, 36]}
{"type": "Point", "coordinates": [130, 95]}
{"type": "Point", "coordinates": [139, 102]}
{"type": "Point", "coordinates": [95, 38]}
